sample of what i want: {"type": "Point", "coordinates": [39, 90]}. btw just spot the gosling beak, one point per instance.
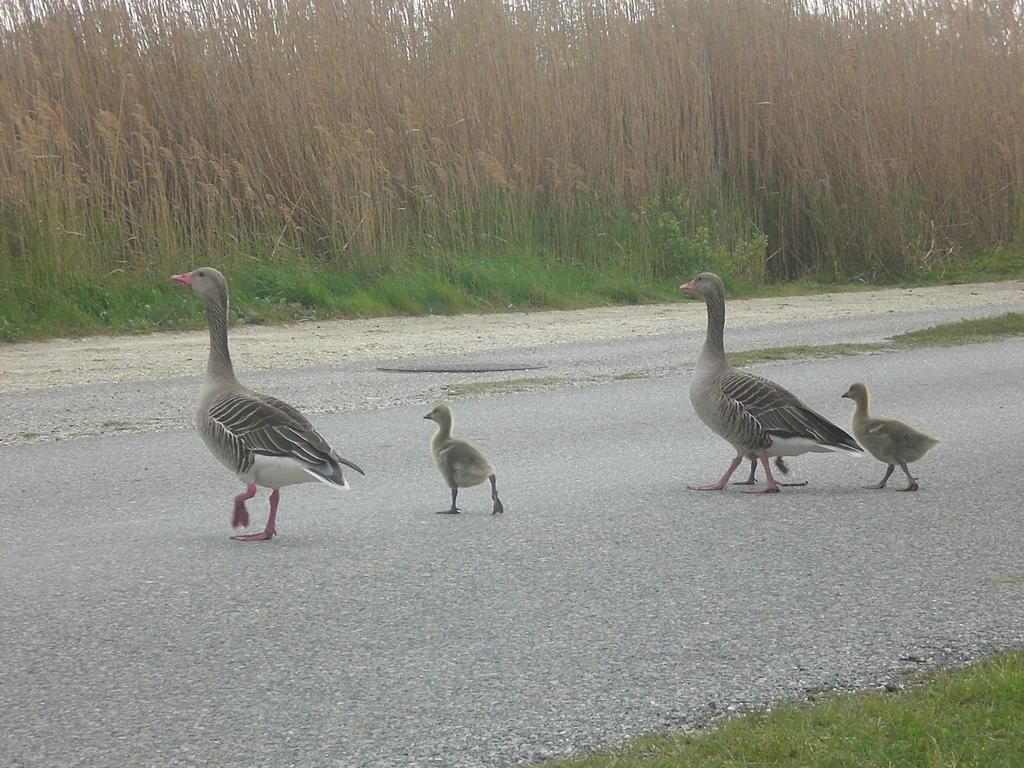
{"type": "Point", "coordinates": [184, 279]}
{"type": "Point", "coordinates": [427, 417]}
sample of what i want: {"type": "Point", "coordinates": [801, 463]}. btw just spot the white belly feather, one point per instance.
{"type": "Point", "coordinates": [279, 471]}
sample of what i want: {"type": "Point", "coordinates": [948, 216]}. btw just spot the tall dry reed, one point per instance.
{"type": "Point", "coordinates": [859, 137]}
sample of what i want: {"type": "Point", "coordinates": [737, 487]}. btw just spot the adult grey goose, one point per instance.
{"type": "Point", "coordinates": [263, 440]}
{"type": "Point", "coordinates": [461, 464]}
{"type": "Point", "coordinates": [756, 416]}
{"type": "Point", "coordinates": [891, 442]}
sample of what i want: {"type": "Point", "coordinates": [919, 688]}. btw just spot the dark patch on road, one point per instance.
{"type": "Point", "coordinates": [460, 368]}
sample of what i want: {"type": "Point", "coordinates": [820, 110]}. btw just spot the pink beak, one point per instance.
{"type": "Point", "coordinates": [185, 279]}
{"type": "Point", "coordinates": [687, 287]}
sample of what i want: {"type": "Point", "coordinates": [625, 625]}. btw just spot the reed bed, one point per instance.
{"type": "Point", "coordinates": [771, 139]}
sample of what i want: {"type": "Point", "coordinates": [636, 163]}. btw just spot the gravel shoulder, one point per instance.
{"type": "Point", "coordinates": [107, 359]}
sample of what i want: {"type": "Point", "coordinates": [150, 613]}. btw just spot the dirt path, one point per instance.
{"type": "Point", "coordinates": [105, 359]}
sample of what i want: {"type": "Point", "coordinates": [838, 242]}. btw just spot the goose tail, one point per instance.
{"type": "Point", "coordinates": [331, 474]}
{"type": "Point", "coordinates": [850, 450]}
{"type": "Point", "coordinates": [334, 480]}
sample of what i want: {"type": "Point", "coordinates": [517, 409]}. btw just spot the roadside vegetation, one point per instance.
{"type": "Point", "coordinates": [357, 157]}
{"type": "Point", "coordinates": [971, 716]}
{"type": "Point", "coordinates": [943, 335]}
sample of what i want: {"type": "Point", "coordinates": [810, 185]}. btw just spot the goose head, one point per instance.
{"type": "Point", "coordinates": [705, 285]}
{"type": "Point", "coordinates": [205, 282]}
{"type": "Point", "coordinates": [856, 392]}
{"type": "Point", "coordinates": [442, 414]}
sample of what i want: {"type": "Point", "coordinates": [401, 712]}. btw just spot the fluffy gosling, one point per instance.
{"type": "Point", "coordinates": [460, 463]}
{"type": "Point", "coordinates": [891, 442]}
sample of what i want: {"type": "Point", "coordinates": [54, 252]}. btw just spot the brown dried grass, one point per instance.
{"type": "Point", "coordinates": [860, 137]}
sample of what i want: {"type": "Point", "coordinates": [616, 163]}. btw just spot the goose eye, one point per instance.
{"type": "Point", "coordinates": [200, 273]}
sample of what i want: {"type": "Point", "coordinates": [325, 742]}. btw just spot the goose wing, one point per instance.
{"type": "Point", "coordinates": [259, 424]}
{"type": "Point", "coordinates": [463, 463]}
{"type": "Point", "coordinates": [778, 412]}
{"type": "Point", "coordinates": [900, 439]}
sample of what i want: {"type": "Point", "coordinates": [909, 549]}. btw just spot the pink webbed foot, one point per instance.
{"type": "Point", "coordinates": [722, 481]}
{"type": "Point", "coordinates": [271, 530]}
{"type": "Point", "coordinates": [240, 517]}
{"type": "Point", "coordinates": [709, 487]}
{"type": "Point", "coordinates": [772, 486]}
{"type": "Point", "coordinates": [764, 489]}
{"type": "Point", "coordinates": [261, 536]}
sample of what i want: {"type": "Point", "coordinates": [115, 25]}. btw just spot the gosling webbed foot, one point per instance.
{"type": "Point", "coordinates": [498, 507]}
{"type": "Point", "coordinates": [911, 480]}
{"type": "Point", "coordinates": [885, 478]}
{"type": "Point", "coordinates": [750, 478]}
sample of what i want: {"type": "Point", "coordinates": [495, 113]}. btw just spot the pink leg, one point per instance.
{"type": "Point", "coordinates": [724, 479]}
{"type": "Point", "coordinates": [241, 516]}
{"type": "Point", "coordinates": [772, 487]}
{"type": "Point", "coordinates": [271, 530]}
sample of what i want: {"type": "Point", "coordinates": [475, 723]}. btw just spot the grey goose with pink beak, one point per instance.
{"type": "Point", "coordinates": [754, 415]}
{"type": "Point", "coordinates": [264, 441]}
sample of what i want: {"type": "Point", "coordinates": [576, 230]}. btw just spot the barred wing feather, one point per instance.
{"type": "Point", "coordinates": [270, 427]}
{"type": "Point", "coordinates": [778, 412]}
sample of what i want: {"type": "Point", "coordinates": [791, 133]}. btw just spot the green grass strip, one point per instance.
{"type": "Point", "coordinates": [966, 717]}
{"type": "Point", "coordinates": [34, 306]}
{"type": "Point", "coordinates": [964, 332]}
{"type": "Point", "coordinates": [945, 335]}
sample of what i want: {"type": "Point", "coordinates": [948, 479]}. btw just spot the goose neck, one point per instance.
{"type": "Point", "coordinates": [862, 403]}
{"type": "Point", "coordinates": [444, 429]}
{"type": "Point", "coordinates": [714, 344]}
{"type": "Point", "coordinates": [218, 364]}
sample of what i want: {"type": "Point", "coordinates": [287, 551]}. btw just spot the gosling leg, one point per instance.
{"type": "Point", "coordinates": [888, 474]}
{"type": "Point", "coordinates": [498, 508]}
{"type": "Point", "coordinates": [782, 467]}
{"type": "Point", "coordinates": [750, 480]}
{"type": "Point", "coordinates": [454, 510]}
{"type": "Point", "coordinates": [912, 480]}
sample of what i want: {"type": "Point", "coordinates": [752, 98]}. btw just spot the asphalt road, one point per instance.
{"type": "Point", "coordinates": [607, 601]}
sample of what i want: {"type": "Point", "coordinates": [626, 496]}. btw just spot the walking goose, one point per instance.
{"type": "Point", "coordinates": [461, 464]}
{"type": "Point", "coordinates": [891, 442]}
{"type": "Point", "coordinates": [264, 441]}
{"type": "Point", "coordinates": [756, 416]}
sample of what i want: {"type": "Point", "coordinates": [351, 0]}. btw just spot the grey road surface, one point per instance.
{"type": "Point", "coordinates": [607, 601]}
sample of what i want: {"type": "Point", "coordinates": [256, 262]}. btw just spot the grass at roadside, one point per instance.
{"type": "Point", "coordinates": [945, 335]}
{"type": "Point", "coordinates": [503, 385]}
{"type": "Point", "coordinates": [34, 306]}
{"type": "Point", "coordinates": [972, 716]}
{"type": "Point", "coordinates": [964, 332]}
{"type": "Point", "coordinates": [121, 303]}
